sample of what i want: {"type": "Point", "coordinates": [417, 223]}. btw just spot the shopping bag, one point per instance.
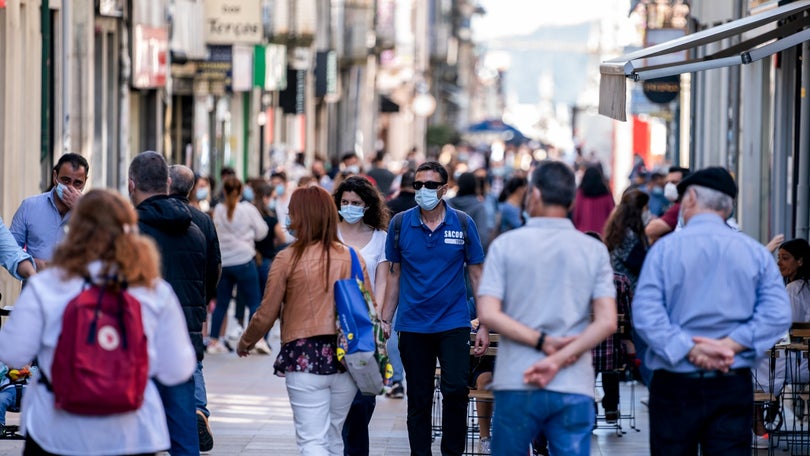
{"type": "Point", "coordinates": [361, 344]}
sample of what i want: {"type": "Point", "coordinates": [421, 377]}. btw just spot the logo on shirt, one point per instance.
{"type": "Point", "coordinates": [454, 237]}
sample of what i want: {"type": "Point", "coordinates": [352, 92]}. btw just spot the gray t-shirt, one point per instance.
{"type": "Point", "coordinates": [546, 275]}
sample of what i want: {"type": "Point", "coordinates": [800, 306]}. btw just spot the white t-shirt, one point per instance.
{"type": "Point", "coordinates": [373, 254]}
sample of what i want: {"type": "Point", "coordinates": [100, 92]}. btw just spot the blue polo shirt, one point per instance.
{"type": "Point", "coordinates": [432, 292]}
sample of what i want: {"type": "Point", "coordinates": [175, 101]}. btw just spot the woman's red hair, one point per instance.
{"type": "Point", "coordinates": [314, 219]}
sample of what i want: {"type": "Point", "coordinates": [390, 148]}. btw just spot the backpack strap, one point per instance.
{"type": "Point", "coordinates": [462, 218]}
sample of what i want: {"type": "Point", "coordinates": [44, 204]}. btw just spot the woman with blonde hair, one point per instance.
{"type": "Point", "coordinates": [300, 290]}
{"type": "Point", "coordinates": [239, 225]}
{"type": "Point", "coordinates": [102, 246]}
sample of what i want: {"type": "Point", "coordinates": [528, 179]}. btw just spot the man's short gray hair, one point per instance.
{"type": "Point", "coordinates": [182, 180]}
{"type": "Point", "coordinates": [709, 198]}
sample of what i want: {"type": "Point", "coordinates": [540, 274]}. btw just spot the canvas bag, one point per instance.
{"type": "Point", "coordinates": [101, 364]}
{"type": "Point", "coordinates": [361, 344]}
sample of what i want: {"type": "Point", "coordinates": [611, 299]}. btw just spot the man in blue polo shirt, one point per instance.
{"type": "Point", "coordinates": [40, 222]}
{"type": "Point", "coordinates": [428, 251]}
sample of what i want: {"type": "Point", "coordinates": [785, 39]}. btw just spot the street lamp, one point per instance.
{"type": "Point", "coordinates": [423, 104]}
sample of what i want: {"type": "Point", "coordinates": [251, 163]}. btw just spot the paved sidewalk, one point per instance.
{"type": "Point", "coordinates": [251, 415]}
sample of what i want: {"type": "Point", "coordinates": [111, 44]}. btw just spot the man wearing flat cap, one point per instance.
{"type": "Point", "coordinates": [709, 301]}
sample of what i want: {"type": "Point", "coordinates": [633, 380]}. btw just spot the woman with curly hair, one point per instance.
{"type": "Point", "coordinates": [363, 220]}
{"type": "Point", "coordinates": [102, 246]}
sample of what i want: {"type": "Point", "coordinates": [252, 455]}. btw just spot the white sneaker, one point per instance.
{"type": "Point", "coordinates": [484, 445]}
{"type": "Point", "coordinates": [262, 348]}
{"type": "Point", "coordinates": [215, 348]}
{"type": "Point", "coordinates": [759, 441]}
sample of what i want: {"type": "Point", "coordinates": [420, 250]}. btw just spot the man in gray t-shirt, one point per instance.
{"type": "Point", "coordinates": [548, 290]}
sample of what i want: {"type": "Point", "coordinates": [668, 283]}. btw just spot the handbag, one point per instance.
{"type": "Point", "coordinates": [361, 344]}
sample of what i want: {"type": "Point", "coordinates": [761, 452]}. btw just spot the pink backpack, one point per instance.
{"type": "Point", "coordinates": [101, 364]}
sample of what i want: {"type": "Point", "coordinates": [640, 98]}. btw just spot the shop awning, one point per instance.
{"type": "Point", "coordinates": [768, 36]}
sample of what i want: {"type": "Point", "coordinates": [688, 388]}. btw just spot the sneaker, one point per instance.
{"type": "Point", "coordinates": [262, 348]}
{"type": "Point", "coordinates": [215, 348]}
{"type": "Point", "coordinates": [484, 445]}
{"type": "Point", "coordinates": [611, 416]}
{"type": "Point", "coordinates": [397, 391]}
{"type": "Point", "coordinates": [759, 441]}
{"type": "Point", "coordinates": [204, 432]}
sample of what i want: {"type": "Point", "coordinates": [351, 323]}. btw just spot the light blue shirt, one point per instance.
{"type": "Point", "coordinates": [11, 255]}
{"type": "Point", "coordinates": [708, 280]}
{"type": "Point", "coordinates": [37, 225]}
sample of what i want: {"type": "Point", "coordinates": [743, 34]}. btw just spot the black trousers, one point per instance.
{"type": "Point", "coordinates": [355, 428]}
{"type": "Point", "coordinates": [419, 353]}
{"type": "Point", "coordinates": [715, 413]}
{"type": "Point", "coordinates": [610, 384]}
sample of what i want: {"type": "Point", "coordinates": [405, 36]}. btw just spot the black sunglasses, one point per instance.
{"type": "Point", "coordinates": [429, 184]}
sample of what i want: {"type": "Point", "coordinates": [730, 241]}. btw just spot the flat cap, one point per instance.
{"type": "Point", "coordinates": [714, 177]}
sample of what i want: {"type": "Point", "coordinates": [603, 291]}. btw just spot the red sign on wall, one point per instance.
{"type": "Point", "coordinates": [2, 3]}
{"type": "Point", "coordinates": [149, 57]}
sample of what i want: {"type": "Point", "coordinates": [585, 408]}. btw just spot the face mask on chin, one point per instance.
{"type": "Point", "coordinates": [427, 199]}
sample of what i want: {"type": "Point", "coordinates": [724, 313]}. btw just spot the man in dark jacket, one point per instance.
{"type": "Point", "coordinates": [406, 198]}
{"type": "Point", "coordinates": [183, 253]}
{"type": "Point", "coordinates": [181, 181]}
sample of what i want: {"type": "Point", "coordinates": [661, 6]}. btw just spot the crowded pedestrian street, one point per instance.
{"type": "Point", "coordinates": [251, 416]}
{"type": "Point", "coordinates": [404, 227]}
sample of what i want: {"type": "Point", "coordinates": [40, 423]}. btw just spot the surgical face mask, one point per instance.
{"type": "Point", "coordinates": [354, 169]}
{"type": "Point", "coordinates": [657, 190]}
{"type": "Point", "coordinates": [287, 223]}
{"type": "Point", "coordinates": [352, 214]}
{"type": "Point", "coordinates": [671, 191]}
{"type": "Point", "coordinates": [201, 193]}
{"type": "Point", "coordinates": [427, 199]}
{"type": "Point", "coordinates": [280, 190]}
{"type": "Point", "coordinates": [60, 191]}
{"type": "Point", "coordinates": [247, 193]}
{"type": "Point", "coordinates": [272, 205]}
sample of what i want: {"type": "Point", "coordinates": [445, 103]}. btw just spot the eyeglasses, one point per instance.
{"type": "Point", "coordinates": [417, 185]}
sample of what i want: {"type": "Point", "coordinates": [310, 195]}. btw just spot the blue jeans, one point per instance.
{"type": "Point", "coordinates": [8, 397]}
{"type": "Point", "coordinates": [200, 396]}
{"type": "Point", "coordinates": [392, 345]}
{"type": "Point", "coordinates": [181, 416]}
{"type": "Point", "coordinates": [246, 279]}
{"type": "Point", "coordinates": [520, 416]}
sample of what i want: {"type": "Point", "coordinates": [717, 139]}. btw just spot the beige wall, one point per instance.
{"type": "Point", "coordinates": [20, 76]}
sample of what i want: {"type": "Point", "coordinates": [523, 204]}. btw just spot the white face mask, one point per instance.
{"type": "Point", "coordinates": [671, 191]}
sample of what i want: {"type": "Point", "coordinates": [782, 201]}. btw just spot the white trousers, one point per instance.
{"type": "Point", "coordinates": [320, 404]}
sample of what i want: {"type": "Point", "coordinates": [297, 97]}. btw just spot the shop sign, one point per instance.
{"type": "Point", "coordinates": [149, 57]}
{"type": "Point", "coordinates": [218, 66]}
{"type": "Point", "coordinates": [662, 90]}
{"type": "Point", "coordinates": [270, 67]}
{"type": "Point", "coordinates": [292, 98]}
{"type": "Point", "coordinates": [233, 21]}
{"type": "Point", "coordinates": [111, 8]}
{"type": "Point", "coordinates": [325, 73]}
{"type": "Point", "coordinates": [242, 68]}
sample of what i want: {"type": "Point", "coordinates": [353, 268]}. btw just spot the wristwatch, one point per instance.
{"type": "Point", "coordinates": [540, 341]}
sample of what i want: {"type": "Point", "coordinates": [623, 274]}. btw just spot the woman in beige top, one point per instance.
{"type": "Point", "coordinates": [300, 291]}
